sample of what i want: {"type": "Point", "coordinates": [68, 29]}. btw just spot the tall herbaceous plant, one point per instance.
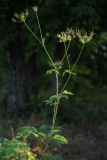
{"type": "Point", "coordinates": [46, 135]}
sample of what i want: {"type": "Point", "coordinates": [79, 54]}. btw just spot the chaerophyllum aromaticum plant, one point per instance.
{"type": "Point", "coordinates": [18, 147]}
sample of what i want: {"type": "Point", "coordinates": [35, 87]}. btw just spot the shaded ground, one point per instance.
{"type": "Point", "coordinates": [89, 143]}
{"type": "Point", "coordinates": [86, 141]}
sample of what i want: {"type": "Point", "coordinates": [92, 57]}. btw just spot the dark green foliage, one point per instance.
{"type": "Point", "coordinates": [43, 135]}
{"type": "Point", "coordinates": [15, 150]}
{"type": "Point", "coordinates": [19, 148]}
{"type": "Point", "coordinates": [24, 132]}
{"type": "Point", "coordinates": [53, 99]}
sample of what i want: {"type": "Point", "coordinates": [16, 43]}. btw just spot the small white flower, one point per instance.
{"type": "Point", "coordinates": [35, 8]}
{"type": "Point", "coordinates": [68, 35]}
{"type": "Point", "coordinates": [21, 17]}
{"type": "Point", "coordinates": [84, 37]}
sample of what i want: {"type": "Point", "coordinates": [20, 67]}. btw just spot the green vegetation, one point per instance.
{"type": "Point", "coordinates": [92, 67]}
{"type": "Point", "coordinates": [19, 147]}
{"type": "Point", "coordinates": [73, 92]}
{"type": "Point", "coordinates": [10, 149]}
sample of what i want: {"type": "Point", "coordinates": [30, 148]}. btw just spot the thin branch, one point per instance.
{"type": "Point", "coordinates": [73, 69]}
{"type": "Point", "coordinates": [41, 44]}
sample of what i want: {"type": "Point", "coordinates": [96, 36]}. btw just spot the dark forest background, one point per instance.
{"type": "Point", "coordinates": [23, 85]}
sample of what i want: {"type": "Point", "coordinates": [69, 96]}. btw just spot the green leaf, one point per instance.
{"type": "Point", "coordinates": [25, 132]}
{"type": "Point", "coordinates": [51, 71]}
{"type": "Point", "coordinates": [53, 132]}
{"type": "Point", "coordinates": [42, 135]}
{"type": "Point", "coordinates": [56, 98]}
{"type": "Point", "coordinates": [53, 99]}
{"type": "Point", "coordinates": [67, 92]}
{"type": "Point", "coordinates": [15, 149]}
{"type": "Point", "coordinates": [64, 96]}
{"type": "Point", "coordinates": [44, 128]}
{"type": "Point", "coordinates": [60, 139]}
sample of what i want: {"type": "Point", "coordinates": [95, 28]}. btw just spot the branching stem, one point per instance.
{"type": "Point", "coordinates": [65, 51]}
{"type": "Point", "coordinates": [39, 28]}
{"type": "Point", "coordinates": [72, 69]}
{"type": "Point", "coordinates": [42, 44]}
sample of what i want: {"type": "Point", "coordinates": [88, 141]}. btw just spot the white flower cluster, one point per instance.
{"type": "Point", "coordinates": [70, 34]}
{"type": "Point", "coordinates": [84, 38]}
{"type": "Point", "coordinates": [21, 17]}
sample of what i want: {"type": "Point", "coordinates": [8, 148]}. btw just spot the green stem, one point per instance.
{"type": "Point", "coordinates": [56, 105]}
{"type": "Point", "coordinates": [32, 33]}
{"type": "Point", "coordinates": [12, 131]}
{"type": "Point", "coordinates": [54, 115]}
{"type": "Point", "coordinates": [77, 59]}
{"type": "Point", "coordinates": [39, 28]}
{"type": "Point", "coordinates": [41, 44]}
{"type": "Point", "coordinates": [57, 80]}
{"type": "Point", "coordinates": [73, 68]}
{"type": "Point", "coordinates": [55, 110]}
{"type": "Point", "coordinates": [66, 51]}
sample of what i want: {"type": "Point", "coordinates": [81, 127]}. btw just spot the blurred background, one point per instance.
{"type": "Point", "coordinates": [24, 86]}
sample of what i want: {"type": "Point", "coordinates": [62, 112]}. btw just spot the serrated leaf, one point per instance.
{"type": "Point", "coordinates": [53, 99]}
{"type": "Point", "coordinates": [60, 139]}
{"type": "Point", "coordinates": [25, 132]}
{"type": "Point", "coordinates": [15, 149]}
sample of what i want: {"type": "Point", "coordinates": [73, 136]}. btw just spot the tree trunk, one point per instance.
{"type": "Point", "coordinates": [20, 78]}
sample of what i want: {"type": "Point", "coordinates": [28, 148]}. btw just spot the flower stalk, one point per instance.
{"type": "Point", "coordinates": [65, 38]}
